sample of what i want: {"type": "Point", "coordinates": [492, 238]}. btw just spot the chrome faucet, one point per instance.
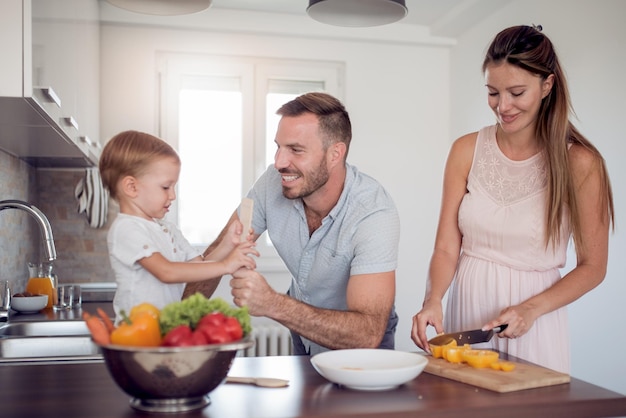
{"type": "Point", "coordinates": [42, 221]}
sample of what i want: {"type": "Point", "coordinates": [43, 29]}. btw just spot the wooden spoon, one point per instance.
{"type": "Point", "coordinates": [266, 382]}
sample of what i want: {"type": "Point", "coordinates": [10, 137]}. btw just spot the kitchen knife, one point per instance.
{"type": "Point", "coordinates": [467, 337]}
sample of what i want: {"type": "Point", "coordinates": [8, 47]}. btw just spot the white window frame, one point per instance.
{"type": "Point", "coordinates": [254, 73]}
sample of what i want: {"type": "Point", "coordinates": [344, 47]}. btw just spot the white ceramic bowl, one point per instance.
{"type": "Point", "coordinates": [369, 369]}
{"type": "Point", "coordinates": [29, 304]}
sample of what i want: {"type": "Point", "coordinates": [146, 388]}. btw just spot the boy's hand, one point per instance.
{"type": "Point", "coordinates": [240, 257]}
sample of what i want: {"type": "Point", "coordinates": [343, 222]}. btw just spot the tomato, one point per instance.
{"type": "Point", "coordinates": [233, 328]}
{"type": "Point", "coordinates": [215, 334]}
{"type": "Point", "coordinates": [213, 328]}
{"type": "Point", "coordinates": [215, 318]}
{"type": "Point", "coordinates": [219, 328]}
{"type": "Point", "coordinates": [179, 336]}
{"type": "Point", "coordinates": [198, 338]}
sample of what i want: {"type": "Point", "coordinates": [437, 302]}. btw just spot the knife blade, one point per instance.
{"type": "Point", "coordinates": [467, 337]}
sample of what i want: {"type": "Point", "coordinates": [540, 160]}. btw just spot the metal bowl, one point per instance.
{"type": "Point", "coordinates": [171, 379]}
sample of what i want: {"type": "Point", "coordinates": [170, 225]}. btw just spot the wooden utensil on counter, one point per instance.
{"type": "Point", "coordinates": [266, 382]}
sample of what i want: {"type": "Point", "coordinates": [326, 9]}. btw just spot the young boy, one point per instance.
{"type": "Point", "coordinates": [150, 257]}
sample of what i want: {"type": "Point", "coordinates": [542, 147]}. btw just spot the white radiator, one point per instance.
{"type": "Point", "coordinates": [269, 340]}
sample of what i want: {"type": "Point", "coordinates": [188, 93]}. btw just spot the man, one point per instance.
{"type": "Point", "coordinates": [336, 229]}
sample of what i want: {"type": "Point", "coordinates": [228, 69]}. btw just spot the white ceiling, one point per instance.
{"type": "Point", "coordinates": [421, 12]}
{"type": "Point", "coordinates": [442, 17]}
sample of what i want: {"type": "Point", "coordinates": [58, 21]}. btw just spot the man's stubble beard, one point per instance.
{"type": "Point", "coordinates": [313, 181]}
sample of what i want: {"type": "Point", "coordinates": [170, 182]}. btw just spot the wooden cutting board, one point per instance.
{"type": "Point", "coordinates": [525, 376]}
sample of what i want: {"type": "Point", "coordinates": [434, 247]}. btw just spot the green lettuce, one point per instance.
{"type": "Point", "coordinates": [189, 311]}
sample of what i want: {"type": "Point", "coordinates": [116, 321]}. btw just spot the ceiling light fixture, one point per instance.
{"type": "Point", "coordinates": [357, 13]}
{"type": "Point", "coordinates": [163, 7]}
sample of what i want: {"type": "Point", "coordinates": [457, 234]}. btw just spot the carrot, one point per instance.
{"type": "Point", "coordinates": [98, 329]}
{"type": "Point", "coordinates": [107, 321]}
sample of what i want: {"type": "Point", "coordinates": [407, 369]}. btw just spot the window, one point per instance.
{"type": "Point", "coordinates": [219, 113]}
{"type": "Point", "coordinates": [199, 142]}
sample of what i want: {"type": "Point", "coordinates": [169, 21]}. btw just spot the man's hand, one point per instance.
{"type": "Point", "coordinates": [249, 288]}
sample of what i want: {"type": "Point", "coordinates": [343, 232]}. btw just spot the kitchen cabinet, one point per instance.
{"type": "Point", "coordinates": [49, 83]}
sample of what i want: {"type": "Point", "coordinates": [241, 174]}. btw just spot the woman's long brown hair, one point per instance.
{"type": "Point", "coordinates": [528, 48]}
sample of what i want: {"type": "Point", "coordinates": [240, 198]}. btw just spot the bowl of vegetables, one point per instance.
{"type": "Point", "coordinates": [170, 360]}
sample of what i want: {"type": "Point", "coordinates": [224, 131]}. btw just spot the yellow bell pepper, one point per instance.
{"type": "Point", "coordinates": [437, 350]}
{"type": "Point", "coordinates": [480, 358]}
{"type": "Point", "coordinates": [454, 354]}
{"type": "Point", "coordinates": [141, 329]}
{"type": "Point", "coordinates": [505, 366]}
{"type": "Point", "coordinates": [144, 307]}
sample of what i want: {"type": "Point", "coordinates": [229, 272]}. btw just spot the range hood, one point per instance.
{"type": "Point", "coordinates": [28, 132]}
{"type": "Point", "coordinates": [50, 51]}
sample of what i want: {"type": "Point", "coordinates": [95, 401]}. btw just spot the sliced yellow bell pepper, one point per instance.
{"type": "Point", "coordinates": [505, 366]}
{"type": "Point", "coordinates": [437, 350]}
{"type": "Point", "coordinates": [455, 354]}
{"type": "Point", "coordinates": [480, 358]}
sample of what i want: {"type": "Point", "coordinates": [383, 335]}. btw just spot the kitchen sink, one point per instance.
{"type": "Point", "coordinates": [46, 349]}
{"type": "Point", "coordinates": [47, 341]}
{"type": "Point", "coordinates": [43, 329]}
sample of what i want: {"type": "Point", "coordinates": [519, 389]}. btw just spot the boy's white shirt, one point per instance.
{"type": "Point", "coordinates": [132, 238]}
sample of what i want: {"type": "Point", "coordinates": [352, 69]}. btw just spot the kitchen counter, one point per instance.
{"type": "Point", "coordinates": [87, 390]}
{"type": "Point", "coordinates": [50, 314]}
{"type": "Point", "coordinates": [94, 295]}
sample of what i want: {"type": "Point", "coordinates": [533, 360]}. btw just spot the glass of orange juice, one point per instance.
{"type": "Point", "coordinates": [42, 281]}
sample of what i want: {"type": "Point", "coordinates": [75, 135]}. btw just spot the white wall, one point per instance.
{"type": "Point", "coordinates": [409, 95]}
{"type": "Point", "coordinates": [397, 94]}
{"type": "Point", "coordinates": [589, 37]}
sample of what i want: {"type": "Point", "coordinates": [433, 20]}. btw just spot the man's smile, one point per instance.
{"type": "Point", "coordinates": [290, 178]}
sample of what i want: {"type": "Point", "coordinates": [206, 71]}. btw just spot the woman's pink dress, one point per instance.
{"type": "Point", "coordinates": [504, 259]}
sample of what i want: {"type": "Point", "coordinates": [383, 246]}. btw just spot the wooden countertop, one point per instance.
{"type": "Point", "coordinates": [86, 390]}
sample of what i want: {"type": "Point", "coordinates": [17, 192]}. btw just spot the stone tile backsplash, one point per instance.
{"type": "Point", "coordinates": [82, 254]}
{"type": "Point", "coordinates": [19, 235]}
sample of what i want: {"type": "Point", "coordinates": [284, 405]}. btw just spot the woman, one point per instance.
{"type": "Point", "coordinates": [514, 193]}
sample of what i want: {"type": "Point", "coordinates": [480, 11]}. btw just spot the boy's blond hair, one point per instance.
{"type": "Point", "coordinates": [128, 154]}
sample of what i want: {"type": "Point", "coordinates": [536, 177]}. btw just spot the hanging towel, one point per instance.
{"type": "Point", "coordinates": [93, 198]}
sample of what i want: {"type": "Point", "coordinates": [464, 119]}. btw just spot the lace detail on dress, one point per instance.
{"type": "Point", "coordinates": [506, 181]}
